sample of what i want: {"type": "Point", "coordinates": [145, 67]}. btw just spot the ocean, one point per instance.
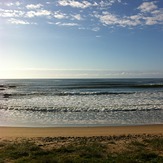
{"type": "Point", "coordinates": [80, 102]}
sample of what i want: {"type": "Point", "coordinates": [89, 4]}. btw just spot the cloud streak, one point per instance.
{"type": "Point", "coordinates": [67, 24]}
{"type": "Point", "coordinates": [17, 3]}
{"type": "Point", "coordinates": [38, 13]}
{"type": "Point", "coordinates": [11, 13]}
{"type": "Point", "coordinates": [18, 21]}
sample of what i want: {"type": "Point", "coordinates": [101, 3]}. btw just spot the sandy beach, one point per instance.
{"type": "Point", "coordinates": [79, 131]}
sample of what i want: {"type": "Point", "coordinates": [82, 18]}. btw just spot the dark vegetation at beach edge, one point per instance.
{"type": "Point", "coordinates": [120, 149]}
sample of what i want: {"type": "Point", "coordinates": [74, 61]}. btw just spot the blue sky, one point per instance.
{"type": "Point", "coordinates": [81, 39]}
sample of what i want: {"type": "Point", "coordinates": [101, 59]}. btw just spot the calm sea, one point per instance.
{"type": "Point", "coordinates": [81, 102]}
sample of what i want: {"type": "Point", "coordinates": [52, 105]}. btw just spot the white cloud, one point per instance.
{"type": "Point", "coordinates": [60, 15]}
{"type": "Point", "coordinates": [18, 21]}
{"type": "Point", "coordinates": [154, 16]}
{"type": "Point", "coordinates": [34, 6]}
{"type": "Point", "coordinates": [150, 21]}
{"type": "Point", "coordinates": [147, 6]}
{"type": "Point", "coordinates": [77, 17]}
{"type": "Point", "coordinates": [110, 19]}
{"type": "Point", "coordinates": [66, 24]}
{"type": "Point", "coordinates": [77, 4]}
{"type": "Point", "coordinates": [51, 23]}
{"type": "Point", "coordinates": [11, 13]}
{"type": "Point", "coordinates": [31, 14]}
{"type": "Point", "coordinates": [135, 17]}
{"type": "Point", "coordinates": [43, 13]}
{"type": "Point", "coordinates": [154, 19]}
{"type": "Point", "coordinates": [9, 4]}
{"type": "Point", "coordinates": [129, 21]}
{"type": "Point", "coordinates": [17, 3]}
{"type": "Point", "coordinates": [158, 15]}
{"type": "Point", "coordinates": [148, 13]}
{"type": "Point", "coordinates": [85, 4]}
{"type": "Point", "coordinates": [105, 4]}
{"type": "Point", "coordinates": [95, 29]}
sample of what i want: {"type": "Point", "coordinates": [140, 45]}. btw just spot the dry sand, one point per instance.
{"type": "Point", "coordinates": [25, 132]}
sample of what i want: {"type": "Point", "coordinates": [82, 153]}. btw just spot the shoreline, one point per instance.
{"type": "Point", "coordinates": [32, 132]}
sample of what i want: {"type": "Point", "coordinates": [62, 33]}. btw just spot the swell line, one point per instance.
{"type": "Point", "coordinates": [75, 109]}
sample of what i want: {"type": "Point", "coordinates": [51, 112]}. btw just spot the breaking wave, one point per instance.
{"type": "Point", "coordinates": [141, 107]}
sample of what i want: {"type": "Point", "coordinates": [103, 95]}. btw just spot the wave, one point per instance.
{"type": "Point", "coordinates": [91, 93]}
{"type": "Point", "coordinates": [8, 95]}
{"type": "Point", "coordinates": [141, 107]}
{"type": "Point", "coordinates": [93, 86]}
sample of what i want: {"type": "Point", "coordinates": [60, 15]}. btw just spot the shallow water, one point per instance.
{"type": "Point", "coordinates": [81, 102]}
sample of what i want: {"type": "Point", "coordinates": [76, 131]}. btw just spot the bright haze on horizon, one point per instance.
{"type": "Point", "coordinates": [81, 39]}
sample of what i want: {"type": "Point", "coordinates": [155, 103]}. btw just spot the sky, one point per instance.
{"type": "Point", "coordinates": [81, 39]}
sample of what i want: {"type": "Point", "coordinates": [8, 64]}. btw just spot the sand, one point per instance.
{"type": "Point", "coordinates": [25, 132]}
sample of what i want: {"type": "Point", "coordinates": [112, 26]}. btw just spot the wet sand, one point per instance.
{"type": "Point", "coordinates": [26, 132]}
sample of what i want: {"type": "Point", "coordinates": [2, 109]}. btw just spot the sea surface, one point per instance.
{"type": "Point", "coordinates": [81, 102]}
